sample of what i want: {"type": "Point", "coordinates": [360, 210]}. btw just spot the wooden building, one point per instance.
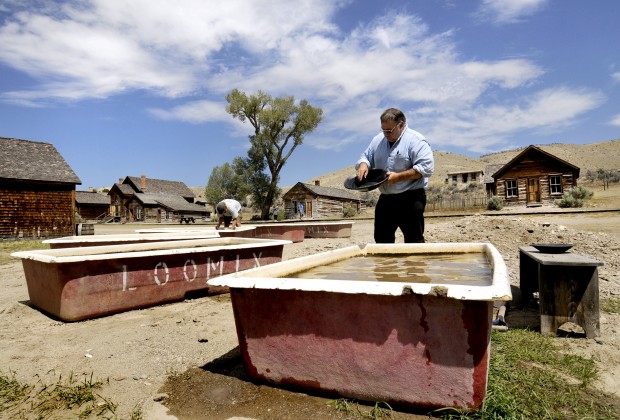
{"type": "Point", "coordinates": [91, 206]}
{"type": "Point", "coordinates": [319, 202]}
{"type": "Point", "coordinates": [142, 199]}
{"type": "Point", "coordinates": [489, 181]}
{"type": "Point", "coordinates": [464, 178]}
{"type": "Point", "coordinates": [533, 177]}
{"type": "Point", "coordinates": [37, 190]}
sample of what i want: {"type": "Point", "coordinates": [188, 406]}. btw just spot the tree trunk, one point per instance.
{"type": "Point", "coordinates": [268, 203]}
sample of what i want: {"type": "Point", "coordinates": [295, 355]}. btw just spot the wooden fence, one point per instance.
{"type": "Point", "coordinates": [456, 203]}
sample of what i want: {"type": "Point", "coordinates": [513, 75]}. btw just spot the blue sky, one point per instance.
{"type": "Point", "coordinates": [132, 87]}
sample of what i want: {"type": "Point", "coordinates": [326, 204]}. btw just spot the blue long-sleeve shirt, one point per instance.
{"type": "Point", "coordinates": [411, 150]}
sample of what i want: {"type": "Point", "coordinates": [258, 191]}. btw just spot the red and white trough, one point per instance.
{"type": "Point", "coordinates": [125, 239]}
{"type": "Point", "coordinates": [425, 345]}
{"type": "Point", "coordinates": [86, 282]}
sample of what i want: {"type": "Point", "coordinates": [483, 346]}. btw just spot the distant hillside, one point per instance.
{"type": "Point", "coordinates": [591, 156]}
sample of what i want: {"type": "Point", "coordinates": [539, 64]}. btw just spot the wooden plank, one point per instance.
{"type": "Point", "coordinates": [565, 258]}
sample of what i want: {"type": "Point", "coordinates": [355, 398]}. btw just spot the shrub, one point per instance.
{"type": "Point", "coordinates": [581, 193]}
{"type": "Point", "coordinates": [349, 211]}
{"type": "Point", "coordinates": [574, 197]}
{"type": "Point", "coordinates": [474, 186]}
{"type": "Point", "coordinates": [495, 203]}
{"type": "Point", "coordinates": [569, 201]}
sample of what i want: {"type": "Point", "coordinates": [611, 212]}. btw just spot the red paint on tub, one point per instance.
{"type": "Point", "coordinates": [479, 344]}
{"type": "Point", "coordinates": [373, 348]}
{"type": "Point", "coordinates": [286, 231]}
{"type": "Point", "coordinates": [328, 230]}
{"type": "Point", "coordinates": [236, 233]}
{"type": "Point", "coordinates": [423, 322]}
{"type": "Point", "coordinates": [74, 291]}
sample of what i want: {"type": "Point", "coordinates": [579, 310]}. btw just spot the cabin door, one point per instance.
{"type": "Point", "coordinates": [533, 190]}
{"type": "Point", "coordinates": [308, 209]}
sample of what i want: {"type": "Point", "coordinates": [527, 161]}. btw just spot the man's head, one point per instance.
{"type": "Point", "coordinates": [220, 208]}
{"type": "Point", "coordinates": [393, 122]}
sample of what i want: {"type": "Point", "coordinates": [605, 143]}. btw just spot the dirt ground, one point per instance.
{"type": "Point", "coordinates": [181, 360]}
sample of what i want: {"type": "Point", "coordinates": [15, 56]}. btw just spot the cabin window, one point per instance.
{"type": "Point", "coordinates": [555, 184]}
{"type": "Point", "coordinates": [454, 181]}
{"type": "Point", "coordinates": [511, 188]}
{"type": "Point", "coordinates": [464, 178]}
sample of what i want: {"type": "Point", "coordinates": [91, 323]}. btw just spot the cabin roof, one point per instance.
{"type": "Point", "coordinates": [533, 150]}
{"type": "Point", "coordinates": [92, 198]}
{"type": "Point", "coordinates": [34, 161]}
{"type": "Point", "coordinates": [159, 186]}
{"type": "Point", "coordinates": [332, 192]}
{"type": "Point", "coordinates": [170, 201]}
{"type": "Point", "coordinates": [489, 170]}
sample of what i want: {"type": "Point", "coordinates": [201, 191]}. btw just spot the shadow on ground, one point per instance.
{"type": "Point", "coordinates": [222, 389]}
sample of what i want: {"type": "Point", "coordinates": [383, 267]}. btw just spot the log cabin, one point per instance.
{"type": "Point", "coordinates": [319, 202]}
{"type": "Point", "coordinates": [532, 178]}
{"type": "Point", "coordinates": [464, 178]}
{"type": "Point", "coordinates": [142, 199]}
{"type": "Point", "coordinates": [37, 191]}
{"type": "Point", "coordinates": [91, 205]}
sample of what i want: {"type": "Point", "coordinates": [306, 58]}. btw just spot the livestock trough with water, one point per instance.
{"type": "Point", "coordinates": [409, 324]}
{"type": "Point", "coordinates": [85, 282]}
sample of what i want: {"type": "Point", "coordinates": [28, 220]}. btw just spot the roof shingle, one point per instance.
{"type": "Point", "coordinates": [92, 198]}
{"type": "Point", "coordinates": [34, 161]}
{"type": "Point", "coordinates": [161, 186]}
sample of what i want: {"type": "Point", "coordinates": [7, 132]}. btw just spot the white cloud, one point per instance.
{"type": "Point", "coordinates": [102, 48]}
{"type": "Point", "coordinates": [355, 78]}
{"type": "Point", "coordinates": [509, 11]}
{"type": "Point", "coordinates": [485, 128]}
{"type": "Point", "coordinates": [193, 112]}
{"type": "Point", "coordinates": [200, 112]}
{"type": "Point", "coordinates": [616, 77]}
{"type": "Point", "coordinates": [615, 120]}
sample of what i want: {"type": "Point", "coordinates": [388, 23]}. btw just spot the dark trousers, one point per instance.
{"type": "Point", "coordinates": [404, 211]}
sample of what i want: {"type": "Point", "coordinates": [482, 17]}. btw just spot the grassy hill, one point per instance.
{"type": "Point", "coordinates": [591, 156]}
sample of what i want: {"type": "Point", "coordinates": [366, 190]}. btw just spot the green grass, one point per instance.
{"type": "Point", "coordinates": [353, 409]}
{"type": "Point", "coordinates": [530, 377]}
{"type": "Point", "coordinates": [610, 305]}
{"type": "Point", "coordinates": [66, 398]}
{"type": "Point", "coordinates": [10, 246]}
{"type": "Point", "coordinates": [11, 392]}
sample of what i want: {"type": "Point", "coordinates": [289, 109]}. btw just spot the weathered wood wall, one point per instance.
{"type": "Point", "coordinates": [91, 212]}
{"type": "Point", "coordinates": [535, 166]}
{"type": "Point", "coordinates": [118, 206]}
{"type": "Point", "coordinates": [321, 207]}
{"type": "Point", "coordinates": [36, 210]}
{"type": "Point", "coordinates": [545, 192]}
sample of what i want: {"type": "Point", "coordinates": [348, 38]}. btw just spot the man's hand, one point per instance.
{"type": "Point", "coordinates": [401, 176]}
{"type": "Point", "coordinates": [362, 171]}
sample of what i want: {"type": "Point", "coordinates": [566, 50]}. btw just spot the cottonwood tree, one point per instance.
{"type": "Point", "coordinates": [226, 182]}
{"type": "Point", "coordinates": [279, 127]}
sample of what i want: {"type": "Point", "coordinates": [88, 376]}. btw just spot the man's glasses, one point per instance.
{"type": "Point", "coordinates": [390, 131]}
